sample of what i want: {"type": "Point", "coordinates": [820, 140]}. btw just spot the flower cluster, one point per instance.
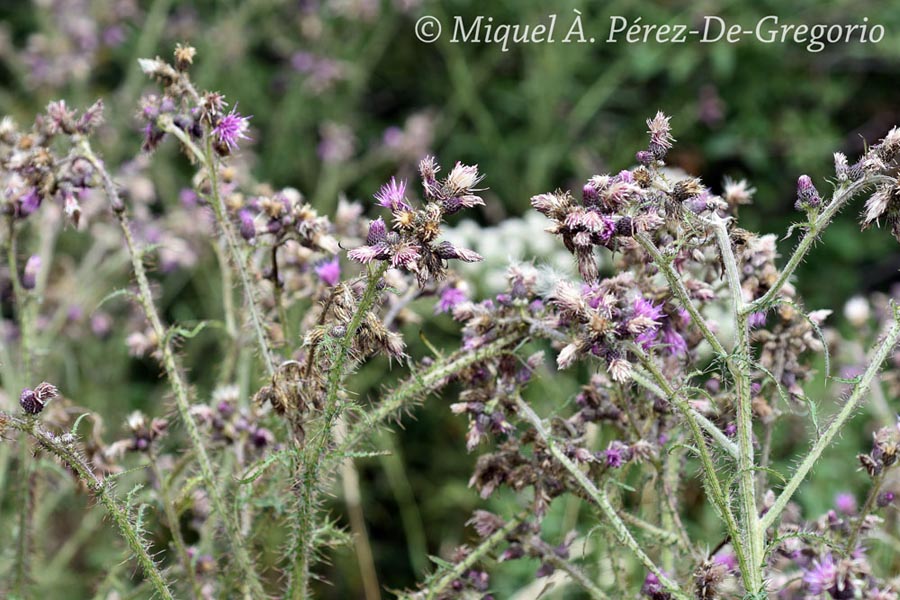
{"type": "Point", "coordinates": [411, 242]}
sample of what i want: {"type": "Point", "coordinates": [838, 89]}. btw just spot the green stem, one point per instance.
{"type": "Point", "coordinates": [179, 387]}
{"type": "Point", "coordinates": [677, 286]}
{"type": "Point", "coordinates": [101, 491]}
{"type": "Point", "coordinates": [175, 527]}
{"type": "Point", "coordinates": [708, 426]}
{"type": "Point", "coordinates": [877, 482]}
{"type": "Point", "coordinates": [207, 159]}
{"type": "Point", "coordinates": [487, 545]}
{"type": "Point", "coordinates": [841, 196]}
{"type": "Point", "coordinates": [719, 497]}
{"type": "Point", "coordinates": [599, 497]}
{"type": "Point", "coordinates": [576, 574]}
{"type": "Point", "coordinates": [859, 392]}
{"type": "Point", "coordinates": [660, 535]}
{"type": "Point", "coordinates": [25, 501]}
{"type": "Point", "coordinates": [739, 366]}
{"type": "Point", "coordinates": [414, 389]}
{"type": "Point", "coordinates": [314, 454]}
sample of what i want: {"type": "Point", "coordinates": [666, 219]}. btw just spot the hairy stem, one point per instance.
{"type": "Point", "coordinates": [719, 497]}
{"type": "Point", "coordinates": [739, 363]}
{"type": "Point", "coordinates": [853, 538]}
{"type": "Point", "coordinates": [860, 390]}
{"type": "Point", "coordinates": [708, 426]}
{"type": "Point", "coordinates": [173, 370]}
{"type": "Point", "coordinates": [677, 286]}
{"type": "Point", "coordinates": [67, 453]}
{"type": "Point", "coordinates": [175, 528]}
{"type": "Point", "coordinates": [316, 451]}
{"type": "Point", "coordinates": [26, 500]}
{"type": "Point", "coordinates": [841, 196]}
{"type": "Point", "coordinates": [207, 159]}
{"type": "Point", "coordinates": [480, 551]}
{"type": "Point", "coordinates": [599, 497]}
{"type": "Point", "coordinates": [414, 389]}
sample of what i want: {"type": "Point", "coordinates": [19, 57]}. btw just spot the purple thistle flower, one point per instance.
{"type": "Point", "coordinates": [29, 203]}
{"type": "Point", "coordinates": [845, 502]}
{"type": "Point", "coordinates": [376, 247]}
{"type": "Point", "coordinates": [392, 195]}
{"type": "Point", "coordinates": [366, 254]}
{"type": "Point", "coordinates": [231, 129]}
{"type": "Point", "coordinates": [821, 576]}
{"type": "Point", "coordinates": [377, 232]}
{"type": "Point", "coordinates": [728, 559]}
{"type": "Point", "coordinates": [644, 157]}
{"type": "Point", "coordinates": [616, 454]}
{"type": "Point", "coordinates": [675, 342]}
{"type": "Point", "coordinates": [450, 297]}
{"type": "Point", "coordinates": [645, 308]}
{"type": "Point", "coordinates": [757, 319]}
{"type": "Point", "coordinates": [660, 135]}
{"type": "Point", "coordinates": [646, 313]}
{"type": "Point", "coordinates": [329, 271]}
{"type": "Point", "coordinates": [407, 256]}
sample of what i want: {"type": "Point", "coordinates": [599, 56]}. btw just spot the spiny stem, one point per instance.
{"type": "Point", "coordinates": [841, 196]}
{"type": "Point", "coordinates": [249, 288]}
{"type": "Point", "coordinates": [414, 389]}
{"type": "Point", "coordinates": [101, 490]}
{"type": "Point", "coordinates": [601, 500]}
{"type": "Point", "coordinates": [179, 387]}
{"type": "Point", "coordinates": [577, 575]}
{"type": "Point", "coordinates": [739, 366]}
{"type": "Point", "coordinates": [677, 286]}
{"type": "Point", "coordinates": [660, 535]}
{"type": "Point", "coordinates": [859, 392]}
{"type": "Point", "coordinates": [207, 159]}
{"type": "Point", "coordinates": [708, 426]}
{"type": "Point", "coordinates": [480, 551]}
{"type": "Point", "coordinates": [720, 499]}
{"type": "Point", "coordinates": [314, 454]}
{"type": "Point", "coordinates": [877, 482]}
{"type": "Point", "coordinates": [175, 527]}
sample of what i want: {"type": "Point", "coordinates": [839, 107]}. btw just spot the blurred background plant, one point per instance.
{"type": "Point", "coordinates": [343, 96]}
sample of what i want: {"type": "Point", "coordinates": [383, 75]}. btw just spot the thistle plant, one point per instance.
{"type": "Point", "coordinates": [692, 349]}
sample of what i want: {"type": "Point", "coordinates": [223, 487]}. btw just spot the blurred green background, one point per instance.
{"type": "Point", "coordinates": [343, 96]}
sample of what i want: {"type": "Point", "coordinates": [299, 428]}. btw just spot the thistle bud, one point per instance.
{"type": "Point", "coordinates": [807, 195]}
{"type": "Point", "coordinates": [34, 401]}
{"type": "Point", "coordinates": [32, 270]}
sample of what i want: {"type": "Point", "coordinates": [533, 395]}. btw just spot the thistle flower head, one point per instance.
{"type": "Point", "coordinates": [329, 271]}
{"type": "Point", "coordinates": [450, 297]}
{"type": "Point", "coordinates": [463, 178]}
{"type": "Point", "coordinates": [229, 130]}
{"type": "Point", "coordinates": [412, 245]}
{"type": "Point", "coordinates": [34, 401]}
{"type": "Point", "coordinates": [807, 195]}
{"type": "Point", "coordinates": [821, 576]}
{"type": "Point", "coordinates": [392, 195]}
{"type": "Point", "coordinates": [660, 135]}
